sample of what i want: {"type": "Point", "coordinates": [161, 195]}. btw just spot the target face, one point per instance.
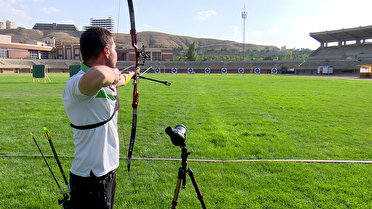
{"type": "Point", "coordinates": [257, 70]}
{"type": "Point", "coordinates": [157, 70]}
{"type": "Point", "coordinates": [241, 70]}
{"type": "Point", "coordinates": [274, 70]}
{"type": "Point", "coordinates": [224, 70]}
{"type": "Point", "coordinates": [174, 70]}
{"type": "Point", "coordinates": [207, 70]}
{"type": "Point", "coordinates": [190, 70]}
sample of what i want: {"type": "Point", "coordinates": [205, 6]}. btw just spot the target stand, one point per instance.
{"type": "Point", "coordinates": [39, 71]}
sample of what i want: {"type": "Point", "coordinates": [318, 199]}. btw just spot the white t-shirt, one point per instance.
{"type": "Point", "coordinates": [96, 149]}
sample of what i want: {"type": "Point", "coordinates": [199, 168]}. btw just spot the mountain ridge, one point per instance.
{"type": "Point", "coordinates": [147, 38]}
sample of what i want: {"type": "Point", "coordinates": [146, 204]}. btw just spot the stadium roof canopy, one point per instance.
{"type": "Point", "coordinates": [349, 34]}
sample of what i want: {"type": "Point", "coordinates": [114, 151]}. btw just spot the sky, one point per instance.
{"type": "Point", "coordinates": [269, 22]}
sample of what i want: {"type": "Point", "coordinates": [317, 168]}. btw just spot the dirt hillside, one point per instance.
{"type": "Point", "coordinates": [148, 38]}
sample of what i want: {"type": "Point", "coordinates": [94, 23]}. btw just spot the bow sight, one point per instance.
{"type": "Point", "coordinates": [144, 56]}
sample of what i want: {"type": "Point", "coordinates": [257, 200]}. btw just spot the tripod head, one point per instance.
{"type": "Point", "coordinates": [177, 135]}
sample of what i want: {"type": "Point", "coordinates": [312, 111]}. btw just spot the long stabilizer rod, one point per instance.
{"type": "Point", "coordinates": [167, 83]}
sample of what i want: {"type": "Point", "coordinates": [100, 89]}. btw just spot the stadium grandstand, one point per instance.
{"type": "Point", "coordinates": [343, 49]}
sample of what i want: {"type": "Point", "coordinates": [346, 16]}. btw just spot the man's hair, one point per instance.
{"type": "Point", "coordinates": [93, 41]}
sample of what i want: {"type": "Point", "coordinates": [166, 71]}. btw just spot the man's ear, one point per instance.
{"type": "Point", "coordinates": [106, 52]}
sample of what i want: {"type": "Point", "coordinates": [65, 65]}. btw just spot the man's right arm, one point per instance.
{"type": "Point", "coordinates": [97, 77]}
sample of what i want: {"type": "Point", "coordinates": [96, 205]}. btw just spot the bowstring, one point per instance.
{"type": "Point", "coordinates": [121, 118]}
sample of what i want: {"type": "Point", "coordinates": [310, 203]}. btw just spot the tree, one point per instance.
{"type": "Point", "coordinates": [191, 54]}
{"type": "Point", "coordinates": [288, 55]}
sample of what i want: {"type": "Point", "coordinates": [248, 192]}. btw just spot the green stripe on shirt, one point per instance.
{"type": "Point", "coordinates": [102, 94]}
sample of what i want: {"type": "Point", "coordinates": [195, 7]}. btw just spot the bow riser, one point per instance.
{"type": "Point", "coordinates": [133, 34]}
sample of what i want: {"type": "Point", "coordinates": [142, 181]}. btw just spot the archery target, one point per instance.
{"type": "Point", "coordinates": [274, 70]}
{"type": "Point", "coordinates": [174, 70]}
{"type": "Point", "coordinates": [157, 70]}
{"type": "Point", "coordinates": [224, 70]}
{"type": "Point", "coordinates": [190, 70]}
{"type": "Point", "coordinates": [207, 70]}
{"type": "Point", "coordinates": [257, 70]}
{"type": "Point", "coordinates": [241, 70]}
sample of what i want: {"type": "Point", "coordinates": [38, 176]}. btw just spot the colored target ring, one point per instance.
{"type": "Point", "coordinates": [274, 70]}
{"type": "Point", "coordinates": [190, 70]}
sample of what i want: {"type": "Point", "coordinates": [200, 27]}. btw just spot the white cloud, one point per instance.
{"type": "Point", "coordinates": [235, 29]}
{"type": "Point", "coordinates": [49, 10]}
{"type": "Point", "coordinates": [146, 25]}
{"type": "Point", "coordinates": [205, 14]}
{"type": "Point", "coordinates": [8, 12]}
{"type": "Point", "coordinates": [12, 1]}
{"type": "Point", "coordinates": [275, 30]}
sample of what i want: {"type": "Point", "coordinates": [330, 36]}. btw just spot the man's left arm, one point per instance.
{"type": "Point", "coordinates": [127, 76]}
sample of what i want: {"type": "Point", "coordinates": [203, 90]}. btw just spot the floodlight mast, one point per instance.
{"type": "Point", "coordinates": [244, 17]}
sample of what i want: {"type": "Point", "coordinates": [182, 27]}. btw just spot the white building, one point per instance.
{"type": "Point", "coordinates": [105, 23]}
{"type": "Point", "coordinates": [7, 25]}
{"type": "Point", "coordinates": [2, 25]}
{"type": "Point", "coordinates": [10, 24]}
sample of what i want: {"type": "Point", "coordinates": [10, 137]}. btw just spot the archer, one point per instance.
{"type": "Point", "coordinates": [91, 102]}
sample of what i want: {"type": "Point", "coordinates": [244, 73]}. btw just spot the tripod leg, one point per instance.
{"type": "Point", "coordinates": [181, 176]}
{"type": "Point", "coordinates": [200, 196]}
{"type": "Point", "coordinates": [176, 192]}
{"type": "Point", "coordinates": [184, 182]}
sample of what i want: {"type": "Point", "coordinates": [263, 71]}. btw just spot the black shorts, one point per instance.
{"type": "Point", "coordinates": [93, 192]}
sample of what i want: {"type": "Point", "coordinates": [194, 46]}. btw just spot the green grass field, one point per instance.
{"type": "Point", "coordinates": [227, 117]}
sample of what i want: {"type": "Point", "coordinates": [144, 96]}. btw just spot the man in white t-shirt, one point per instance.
{"type": "Point", "coordinates": [91, 103]}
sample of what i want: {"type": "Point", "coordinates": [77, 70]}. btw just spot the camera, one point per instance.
{"type": "Point", "coordinates": [177, 135]}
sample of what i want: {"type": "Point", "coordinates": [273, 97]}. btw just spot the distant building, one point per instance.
{"type": "Point", "coordinates": [55, 26]}
{"type": "Point", "coordinates": [51, 50]}
{"type": "Point", "coordinates": [5, 39]}
{"type": "Point", "coordinates": [104, 23]}
{"type": "Point", "coordinates": [7, 25]}
{"type": "Point", "coordinates": [10, 24]}
{"type": "Point", "coordinates": [68, 52]}
{"type": "Point", "coordinates": [72, 52]}
{"type": "Point", "coordinates": [2, 25]}
{"type": "Point", "coordinates": [155, 54]}
{"type": "Point", "coordinates": [36, 50]}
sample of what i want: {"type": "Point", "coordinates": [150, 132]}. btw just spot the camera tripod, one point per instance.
{"type": "Point", "coordinates": [182, 176]}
